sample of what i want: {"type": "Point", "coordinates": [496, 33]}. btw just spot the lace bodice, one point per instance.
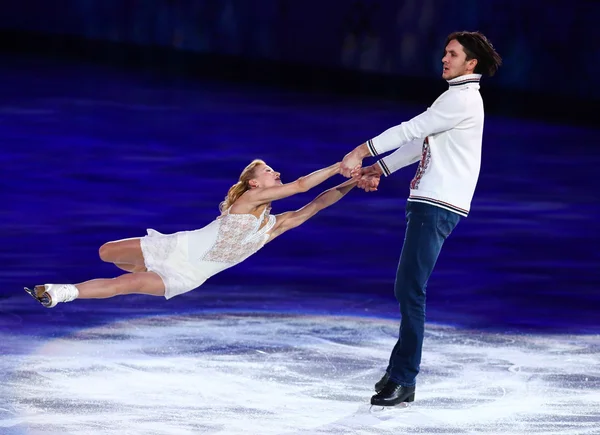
{"type": "Point", "coordinates": [239, 236]}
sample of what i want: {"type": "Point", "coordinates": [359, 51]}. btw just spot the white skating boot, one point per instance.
{"type": "Point", "coordinates": [51, 294]}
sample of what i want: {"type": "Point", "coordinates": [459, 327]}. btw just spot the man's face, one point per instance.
{"type": "Point", "coordinates": [455, 63]}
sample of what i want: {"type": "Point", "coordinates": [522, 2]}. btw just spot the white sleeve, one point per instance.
{"type": "Point", "coordinates": [405, 155]}
{"type": "Point", "coordinates": [444, 114]}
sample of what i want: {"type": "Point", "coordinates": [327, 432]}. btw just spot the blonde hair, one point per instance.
{"type": "Point", "coordinates": [241, 186]}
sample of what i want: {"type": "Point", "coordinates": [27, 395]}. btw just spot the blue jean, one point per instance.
{"type": "Point", "coordinates": [427, 227]}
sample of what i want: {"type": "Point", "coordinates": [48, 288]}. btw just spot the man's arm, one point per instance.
{"type": "Point", "coordinates": [368, 178]}
{"type": "Point", "coordinates": [292, 219]}
{"type": "Point", "coordinates": [445, 113]}
{"type": "Point", "coordinates": [407, 154]}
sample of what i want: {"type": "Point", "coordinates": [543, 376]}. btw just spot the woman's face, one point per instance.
{"type": "Point", "coordinates": [265, 176]}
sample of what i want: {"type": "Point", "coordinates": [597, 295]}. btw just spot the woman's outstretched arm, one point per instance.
{"type": "Point", "coordinates": [261, 195]}
{"type": "Point", "coordinates": [292, 219]}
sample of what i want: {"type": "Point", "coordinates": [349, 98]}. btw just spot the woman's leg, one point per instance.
{"type": "Point", "coordinates": [131, 267]}
{"type": "Point", "coordinates": [148, 283]}
{"type": "Point", "coordinates": [125, 254]}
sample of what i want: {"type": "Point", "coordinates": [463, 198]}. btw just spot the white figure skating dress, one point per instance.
{"type": "Point", "coordinates": [184, 260]}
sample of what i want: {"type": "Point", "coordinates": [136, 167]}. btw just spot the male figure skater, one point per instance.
{"type": "Point", "coordinates": [446, 141]}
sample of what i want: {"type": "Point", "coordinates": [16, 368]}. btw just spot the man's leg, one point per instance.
{"type": "Point", "coordinates": [427, 229]}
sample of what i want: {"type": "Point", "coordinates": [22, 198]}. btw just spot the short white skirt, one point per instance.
{"type": "Point", "coordinates": [176, 258]}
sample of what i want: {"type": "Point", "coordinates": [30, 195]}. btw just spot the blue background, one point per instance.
{"type": "Point", "coordinates": [548, 46]}
{"type": "Point", "coordinates": [117, 116]}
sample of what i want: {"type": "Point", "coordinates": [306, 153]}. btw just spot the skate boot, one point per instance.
{"type": "Point", "coordinates": [51, 294]}
{"type": "Point", "coordinates": [393, 394]}
{"type": "Point", "coordinates": [381, 383]}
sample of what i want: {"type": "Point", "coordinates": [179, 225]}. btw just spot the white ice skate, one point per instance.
{"type": "Point", "coordinates": [51, 294]}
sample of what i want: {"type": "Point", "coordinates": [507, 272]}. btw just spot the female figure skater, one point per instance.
{"type": "Point", "coordinates": [171, 264]}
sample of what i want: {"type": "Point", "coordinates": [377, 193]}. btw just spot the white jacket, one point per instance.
{"type": "Point", "coordinates": [446, 141]}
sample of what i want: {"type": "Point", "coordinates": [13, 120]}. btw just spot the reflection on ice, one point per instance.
{"type": "Point", "coordinates": [285, 374]}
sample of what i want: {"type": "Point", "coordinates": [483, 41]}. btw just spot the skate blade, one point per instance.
{"type": "Point", "coordinates": [377, 409]}
{"type": "Point", "coordinates": [31, 293]}
{"type": "Point", "coordinates": [43, 299]}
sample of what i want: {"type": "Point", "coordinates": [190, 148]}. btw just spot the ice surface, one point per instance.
{"type": "Point", "coordinates": [293, 374]}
